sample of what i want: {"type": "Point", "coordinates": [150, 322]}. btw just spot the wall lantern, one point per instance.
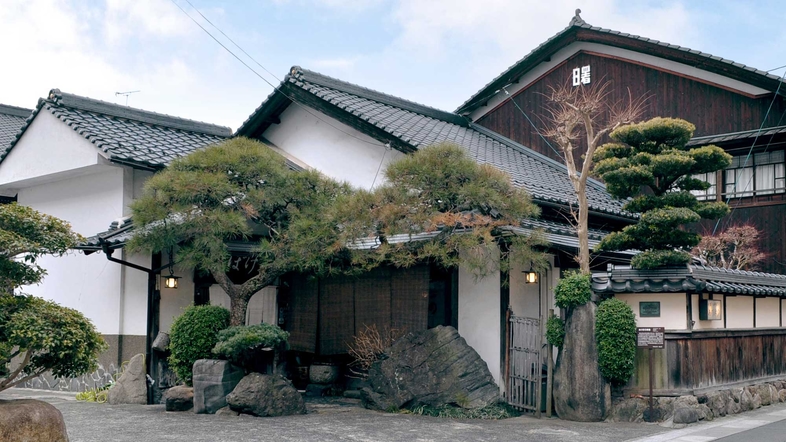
{"type": "Point", "coordinates": [530, 277]}
{"type": "Point", "coordinates": [709, 309]}
{"type": "Point", "coordinates": [170, 282]}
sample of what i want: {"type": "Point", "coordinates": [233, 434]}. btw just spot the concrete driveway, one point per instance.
{"type": "Point", "coordinates": [91, 422]}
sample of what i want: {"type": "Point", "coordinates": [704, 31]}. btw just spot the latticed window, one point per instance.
{"type": "Point", "coordinates": [758, 174]}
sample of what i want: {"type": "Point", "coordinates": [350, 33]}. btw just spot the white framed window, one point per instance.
{"type": "Point", "coordinates": [712, 192]}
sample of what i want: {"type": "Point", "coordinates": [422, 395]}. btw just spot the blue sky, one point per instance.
{"type": "Point", "coordinates": [437, 52]}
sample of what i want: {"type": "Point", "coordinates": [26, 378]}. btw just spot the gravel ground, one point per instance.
{"type": "Point", "coordinates": [326, 421]}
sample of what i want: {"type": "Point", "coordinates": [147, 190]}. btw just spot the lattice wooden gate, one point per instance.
{"type": "Point", "coordinates": [524, 371]}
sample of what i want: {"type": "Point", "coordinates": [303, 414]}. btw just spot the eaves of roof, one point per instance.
{"type": "Point", "coordinates": [735, 136]}
{"type": "Point", "coordinates": [129, 136]}
{"type": "Point", "coordinates": [12, 119]}
{"type": "Point", "coordinates": [579, 30]}
{"type": "Point", "coordinates": [693, 278]}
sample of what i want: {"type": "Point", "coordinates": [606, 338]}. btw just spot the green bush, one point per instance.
{"type": "Point", "coordinates": [573, 290]}
{"type": "Point", "coordinates": [241, 344]}
{"type": "Point", "coordinates": [555, 331]}
{"type": "Point", "coordinates": [193, 336]}
{"type": "Point", "coordinates": [615, 332]}
{"type": "Point", "coordinates": [45, 337]}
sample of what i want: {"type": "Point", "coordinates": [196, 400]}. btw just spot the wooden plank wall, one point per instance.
{"type": "Point", "coordinates": [726, 358]}
{"type": "Point", "coordinates": [712, 109]}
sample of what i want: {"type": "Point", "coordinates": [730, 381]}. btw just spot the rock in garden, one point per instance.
{"type": "Point", "coordinates": [161, 343]}
{"type": "Point", "coordinates": [580, 392]}
{"type": "Point", "coordinates": [266, 395]}
{"type": "Point", "coordinates": [685, 415]}
{"type": "Point", "coordinates": [704, 412]}
{"type": "Point", "coordinates": [322, 373]}
{"type": "Point", "coordinates": [29, 420]}
{"type": "Point", "coordinates": [782, 395]}
{"type": "Point", "coordinates": [432, 367]}
{"type": "Point", "coordinates": [213, 380]}
{"type": "Point", "coordinates": [226, 411]}
{"type": "Point", "coordinates": [765, 393]}
{"type": "Point", "coordinates": [629, 410]}
{"type": "Point", "coordinates": [179, 398]}
{"type": "Point", "coordinates": [716, 400]}
{"type": "Point", "coordinates": [131, 387]}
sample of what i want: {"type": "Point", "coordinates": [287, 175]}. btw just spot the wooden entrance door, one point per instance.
{"type": "Point", "coordinates": [524, 372]}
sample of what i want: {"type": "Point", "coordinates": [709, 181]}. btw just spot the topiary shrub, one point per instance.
{"type": "Point", "coordinates": [573, 290]}
{"type": "Point", "coordinates": [44, 336]}
{"type": "Point", "coordinates": [241, 344]}
{"type": "Point", "coordinates": [555, 331]}
{"type": "Point", "coordinates": [615, 332]}
{"type": "Point", "coordinates": [193, 336]}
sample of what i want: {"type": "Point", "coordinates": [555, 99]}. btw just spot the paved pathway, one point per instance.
{"type": "Point", "coordinates": [90, 422]}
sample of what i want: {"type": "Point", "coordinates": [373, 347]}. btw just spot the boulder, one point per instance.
{"type": "Point", "coordinates": [161, 343]}
{"type": "Point", "coordinates": [745, 399]}
{"type": "Point", "coordinates": [213, 380]}
{"type": "Point", "coordinates": [266, 395]}
{"type": "Point", "coordinates": [685, 415]}
{"type": "Point", "coordinates": [179, 398]}
{"type": "Point", "coordinates": [29, 420]}
{"type": "Point", "coordinates": [431, 367]}
{"type": "Point", "coordinates": [782, 395]}
{"type": "Point", "coordinates": [704, 412]}
{"type": "Point", "coordinates": [755, 397]}
{"type": "Point", "coordinates": [629, 410]}
{"type": "Point", "coordinates": [323, 373]}
{"type": "Point", "coordinates": [733, 407]}
{"type": "Point", "coordinates": [764, 393]}
{"type": "Point", "coordinates": [226, 411]}
{"type": "Point", "coordinates": [717, 400]}
{"type": "Point", "coordinates": [689, 401]}
{"type": "Point", "coordinates": [580, 392]}
{"type": "Point", "coordinates": [131, 387]}
{"type": "Point", "coordinates": [774, 398]}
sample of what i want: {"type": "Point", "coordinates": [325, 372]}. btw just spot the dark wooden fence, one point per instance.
{"type": "Point", "coordinates": [710, 358]}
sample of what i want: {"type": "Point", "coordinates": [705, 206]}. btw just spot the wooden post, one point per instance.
{"type": "Point", "coordinates": [539, 369]}
{"type": "Point", "coordinates": [652, 377]}
{"type": "Point", "coordinates": [549, 373]}
{"type": "Point", "coordinates": [507, 354]}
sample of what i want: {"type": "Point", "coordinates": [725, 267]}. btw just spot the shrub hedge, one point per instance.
{"type": "Point", "coordinates": [615, 332]}
{"type": "Point", "coordinates": [573, 289]}
{"type": "Point", "coordinates": [193, 336]}
{"type": "Point", "coordinates": [241, 344]}
{"type": "Point", "coordinates": [555, 331]}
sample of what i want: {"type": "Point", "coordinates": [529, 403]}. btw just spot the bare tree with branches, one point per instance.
{"type": "Point", "coordinates": [735, 248]}
{"type": "Point", "coordinates": [579, 117]}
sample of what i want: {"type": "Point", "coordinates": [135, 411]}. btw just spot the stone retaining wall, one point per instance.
{"type": "Point", "coordinates": [704, 406]}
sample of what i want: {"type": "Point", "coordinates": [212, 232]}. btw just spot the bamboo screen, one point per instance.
{"type": "Point", "coordinates": [305, 307]}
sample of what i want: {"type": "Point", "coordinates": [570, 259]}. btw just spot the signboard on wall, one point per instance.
{"type": "Point", "coordinates": [649, 309]}
{"type": "Point", "coordinates": [650, 337]}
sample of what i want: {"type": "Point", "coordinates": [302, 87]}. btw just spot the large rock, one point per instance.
{"type": "Point", "coordinates": [266, 395]}
{"type": "Point", "coordinates": [213, 380]}
{"type": "Point", "coordinates": [717, 401]}
{"type": "Point", "coordinates": [580, 392]}
{"type": "Point", "coordinates": [179, 398]}
{"type": "Point", "coordinates": [131, 387]}
{"type": "Point", "coordinates": [629, 410]}
{"type": "Point", "coordinates": [432, 367]}
{"type": "Point", "coordinates": [29, 420]}
{"type": "Point", "coordinates": [685, 415]}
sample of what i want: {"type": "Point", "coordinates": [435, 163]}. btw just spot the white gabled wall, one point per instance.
{"type": "Point", "coordinates": [324, 144]}
{"type": "Point", "coordinates": [49, 150]}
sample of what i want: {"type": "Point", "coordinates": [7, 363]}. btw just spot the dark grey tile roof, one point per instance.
{"type": "Point", "coordinates": [126, 135]}
{"type": "Point", "coordinates": [696, 278]}
{"type": "Point", "coordinates": [515, 70]}
{"type": "Point", "coordinates": [419, 126]}
{"type": "Point", "coordinates": [12, 119]}
{"type": "Point", "coordinates": [733, 136]}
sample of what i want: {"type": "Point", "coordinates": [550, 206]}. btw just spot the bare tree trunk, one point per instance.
{"type": "Point", "coordinates": [582, 231]}
{"type": "Point", "coordinates": [237, 310]}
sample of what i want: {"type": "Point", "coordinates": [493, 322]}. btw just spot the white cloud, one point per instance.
{"type": "Point", "coordinates": [144, 18]}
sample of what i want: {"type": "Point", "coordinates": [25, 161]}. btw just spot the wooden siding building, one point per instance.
{"type": "Point", "coordinates": [736, 107]}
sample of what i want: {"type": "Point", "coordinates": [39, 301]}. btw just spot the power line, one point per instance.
{"type": "Point", "coordinates": [531, 123]}
{"type": "Point", "coordinates": [750, 151]}
{"type": "Point", "coordinates": [276, 88]}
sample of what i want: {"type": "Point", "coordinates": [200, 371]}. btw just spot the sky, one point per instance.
{"type": "Point", "coordinates": [435, 52]}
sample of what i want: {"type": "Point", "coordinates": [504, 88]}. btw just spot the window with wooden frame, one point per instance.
{"type": "Point", "coordinates": [762, 173]}
{"type": "Point", "coordinates": [712, 192]}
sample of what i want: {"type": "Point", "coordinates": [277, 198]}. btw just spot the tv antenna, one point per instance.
{"type": "Point", "coordinates": [126, 94]}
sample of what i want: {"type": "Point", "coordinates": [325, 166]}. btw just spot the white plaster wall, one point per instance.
{"type": "Point", "coordinates": [673, 311]}
{"type": "Point", "coordinates": [173, 301]}
{"type": "Point", "coordinates": [524, 298]}
{"type": "Point", "coordinates": [768, 312]}
{"type": "Point", "coordinates": [133, 296]}
{"type": "Point", "coordinates": [479, 316]}
{"type": "Point", "coordinates": [91, 283]}
{"type": "Point", "coordinates": [563, 54]}
{"type": "Point", "coordinates": [329, 150]}
{"type": "Point", "coordinates": [708, 324]}
{"type": "Point", "coordinates": [739, 311]}
{"type": "Point", "coordinates": [48, 151]}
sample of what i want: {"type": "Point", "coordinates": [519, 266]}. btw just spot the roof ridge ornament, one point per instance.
{"type": "Point", "coordinates": [577, 20]}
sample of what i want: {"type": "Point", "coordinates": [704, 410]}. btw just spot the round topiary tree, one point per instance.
{"type": "Point", "coordinates": [615, 331]}
{"type": "Point", "coordinates": [573, 289]}
{"type": "Point", "coordinates": [39, 336]}
{"type": "Point", "coordinates": [193, 336]}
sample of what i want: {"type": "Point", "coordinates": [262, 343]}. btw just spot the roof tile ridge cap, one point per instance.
{"type": "Point", "coordinates": [15, 111]}
{"type": "Point", "coordinates": [79, 102]}
{"type": "Point", "coordinates": [302, 75]}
